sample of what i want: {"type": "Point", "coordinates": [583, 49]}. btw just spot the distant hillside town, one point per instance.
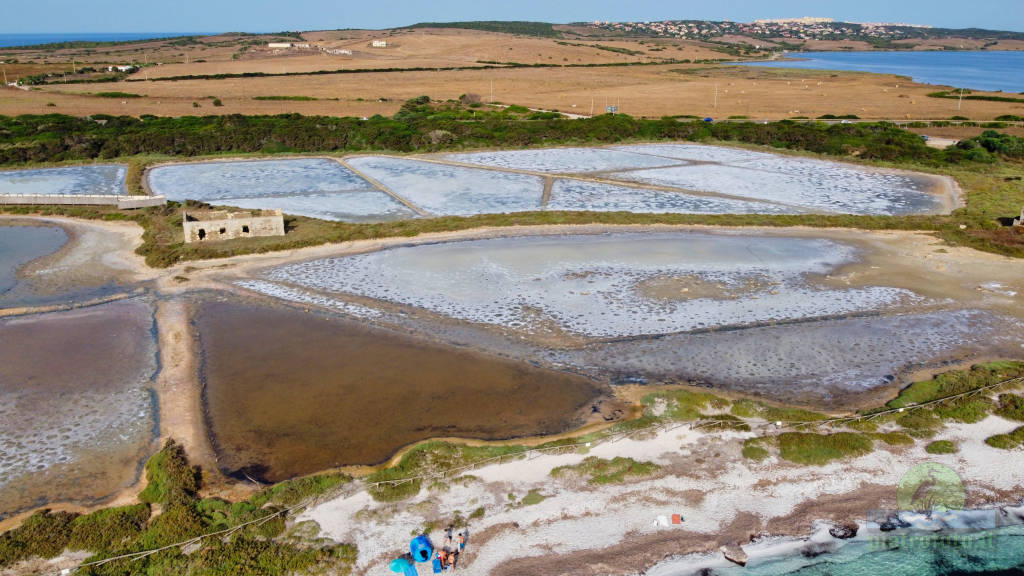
{"type": "Point", "coordinates": [806, 28]}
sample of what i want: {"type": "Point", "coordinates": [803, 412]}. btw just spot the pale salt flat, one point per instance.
{"type": "Point", "coordinates": [583, 195]}
{"type": "Point", "coordinates": [453, 190]}
{"type": "Point", "coordinates": [590, 285]}
{"type": "Point", "coordinates": [563, 160]}
{"type": "Point", "coordinates": [811, 185]}
{"type": "Point", "coordinates": [212, 181]}
{"type": "Point", "coordinates": [98, 179]}
{"type": "Point", "coordinates": [313, 187]}
{"type": "Point", "coordinates": [354, 206]}
{"type": "Point", "coordinates": [697, 152]}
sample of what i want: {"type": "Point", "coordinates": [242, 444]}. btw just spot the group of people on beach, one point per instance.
{"type": "Point", "coordinates": [450, 551]}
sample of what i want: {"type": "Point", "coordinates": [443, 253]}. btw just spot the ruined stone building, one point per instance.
{"type": "Point", "coordinates": [213, 225]}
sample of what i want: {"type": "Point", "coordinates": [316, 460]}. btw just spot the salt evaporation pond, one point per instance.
{"type": "Point", "coordinates": [565, 160]}
{"type": "Point", "coordinates": [606, 286]}
{"type": "Point", "coordinates": [289, 393]}
{"type": "Point", "coordinates": [77, 413]}
{"type": "Point", "coordinates": [830, 361]}
{"type": "Point", "coordinates": [314, 187]}
{"type": "Point", "coordinates": [578, 195]}
{"type": "Point", "coordinates": [748, 312]}
{"type": "Point", "coordinates": [100, 179]}
{"type": "Point", "coordinates": [445, 190]}
{"type": "Point", "coordinates": [20, 245]}
{"type": "Point", "coordinates": [800, 184]}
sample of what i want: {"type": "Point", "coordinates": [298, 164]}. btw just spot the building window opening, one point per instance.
{"type": "Point", "coordinates": [202, 234]}
{"type": "Point", "coordinates": [245, 229]}
{"type": "Point", "coordinates": [223, 230]}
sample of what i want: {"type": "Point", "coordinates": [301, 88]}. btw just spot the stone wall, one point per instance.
{"type": "Point", "coordinates": [121, 201]}
{"type": "Point", "coordinates": [220, 225]}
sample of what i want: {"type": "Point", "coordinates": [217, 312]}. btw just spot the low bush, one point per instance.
{"type": "Point", "coordinates": [44, 534]}
{"type": "Point", "coordinates": [941, 447]}
{"type": "Point", "coordinates": [602, 471]}
{"type": "Point", "coordinates": [819, 449]}
{"type": "Point", "coordinates": [1007, 441]}
{"type": "Point", "coordinates": [1011, 407]}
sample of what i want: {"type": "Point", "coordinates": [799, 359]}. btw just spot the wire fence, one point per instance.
{"type": "Point", "coordinates": [352, 488]}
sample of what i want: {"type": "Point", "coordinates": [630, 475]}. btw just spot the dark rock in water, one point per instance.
{"type": "Point", "coordinates": [735, 554]}
{"type": "Point", "coordinates": [886, 526]}
{"type": "Point", "coordinates": [815, 549]}
{"type": "Point", "coordinates": [706, 572]}
{"type": "Point", "coordinates": [844, 531]}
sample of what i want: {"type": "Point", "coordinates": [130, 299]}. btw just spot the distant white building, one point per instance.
{"type": "Point", "coordinates": [128, 68]}
{"type": "Point", "coordinates": [279, 45]}
{"type": "Point", "coordinates": [379, 44]}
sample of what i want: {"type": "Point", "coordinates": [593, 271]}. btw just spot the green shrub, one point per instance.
{"type": "Point", "coordinates": [426, 458]}
{"type": "Point", "coordinates": [941, 447]}
{"type": "Point", "coordinates": [108, 529]}
{"type": "Point", "coordinates": [1007, 441]}
{"type": "Point", "coordinates": [170, 479]}
{"type": "Point", "coordinates": [121, 95]}
{"type": "Point", "coordinates": [44, 534]}
{"type": "Point", "coordinates": [602, 471]}
{"type": "Point", "coordinates": [291, 492]}
{"type": "Point", "coordinates": [532, 497]}
{"type": "Point", "coordinates": [754, 452]}
{"type": "Point", "coordinates": [1011, 407]}
{"type": "Point", "coordinates": [818, 449]}
{"type": "Point", "coordinates": [684, 404]}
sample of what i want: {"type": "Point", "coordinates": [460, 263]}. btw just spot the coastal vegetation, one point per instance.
{"type": "Point", "coordinates": [252, 535]}
{"type": "Point", "coordinates": [818, 449]}
{"type": "Point", "coordinates": [599, 471]}
{"type": "Point", "coordinates": [941, 447]}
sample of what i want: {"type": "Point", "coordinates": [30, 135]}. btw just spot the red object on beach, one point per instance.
{"type": "Point", "coordinates": [677, 518]}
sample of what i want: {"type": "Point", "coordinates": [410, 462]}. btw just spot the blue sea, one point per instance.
{"type": "Point", "coordinates": [7, 40]}
{"type": "Point", "coordinates": [981, 70]}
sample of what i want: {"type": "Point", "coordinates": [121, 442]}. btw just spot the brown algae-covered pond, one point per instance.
{"type": "Point", "coordinates": [289, 393]}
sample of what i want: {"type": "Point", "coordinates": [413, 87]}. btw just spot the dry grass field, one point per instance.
{"type": "Point", "coordinates": [651, 90]}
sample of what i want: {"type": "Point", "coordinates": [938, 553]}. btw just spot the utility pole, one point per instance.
{"type": "Point", "coordinates": [960, 101]}
{"type": "Point", "coordinates": [5, 76]}
{"type": "Point", "coordinates": [591, 105]}
{"type": "Point", "coordinates": [74, 68]}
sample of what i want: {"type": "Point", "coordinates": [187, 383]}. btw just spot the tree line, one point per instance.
{"type": "Point", "coordinates": [421, 125]}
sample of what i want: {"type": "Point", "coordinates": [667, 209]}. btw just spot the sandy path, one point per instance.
{"type": "Point", "coordinates": [178, 386]}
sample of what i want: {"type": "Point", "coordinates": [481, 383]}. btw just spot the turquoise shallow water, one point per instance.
{"type": "Point", "coordinates": [987, 70]}
{"type": "Point", "coordinates": [999, 551]}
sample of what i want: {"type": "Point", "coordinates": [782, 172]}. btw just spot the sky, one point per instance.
{"type": "Point", "coordinates": [134, 16]}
